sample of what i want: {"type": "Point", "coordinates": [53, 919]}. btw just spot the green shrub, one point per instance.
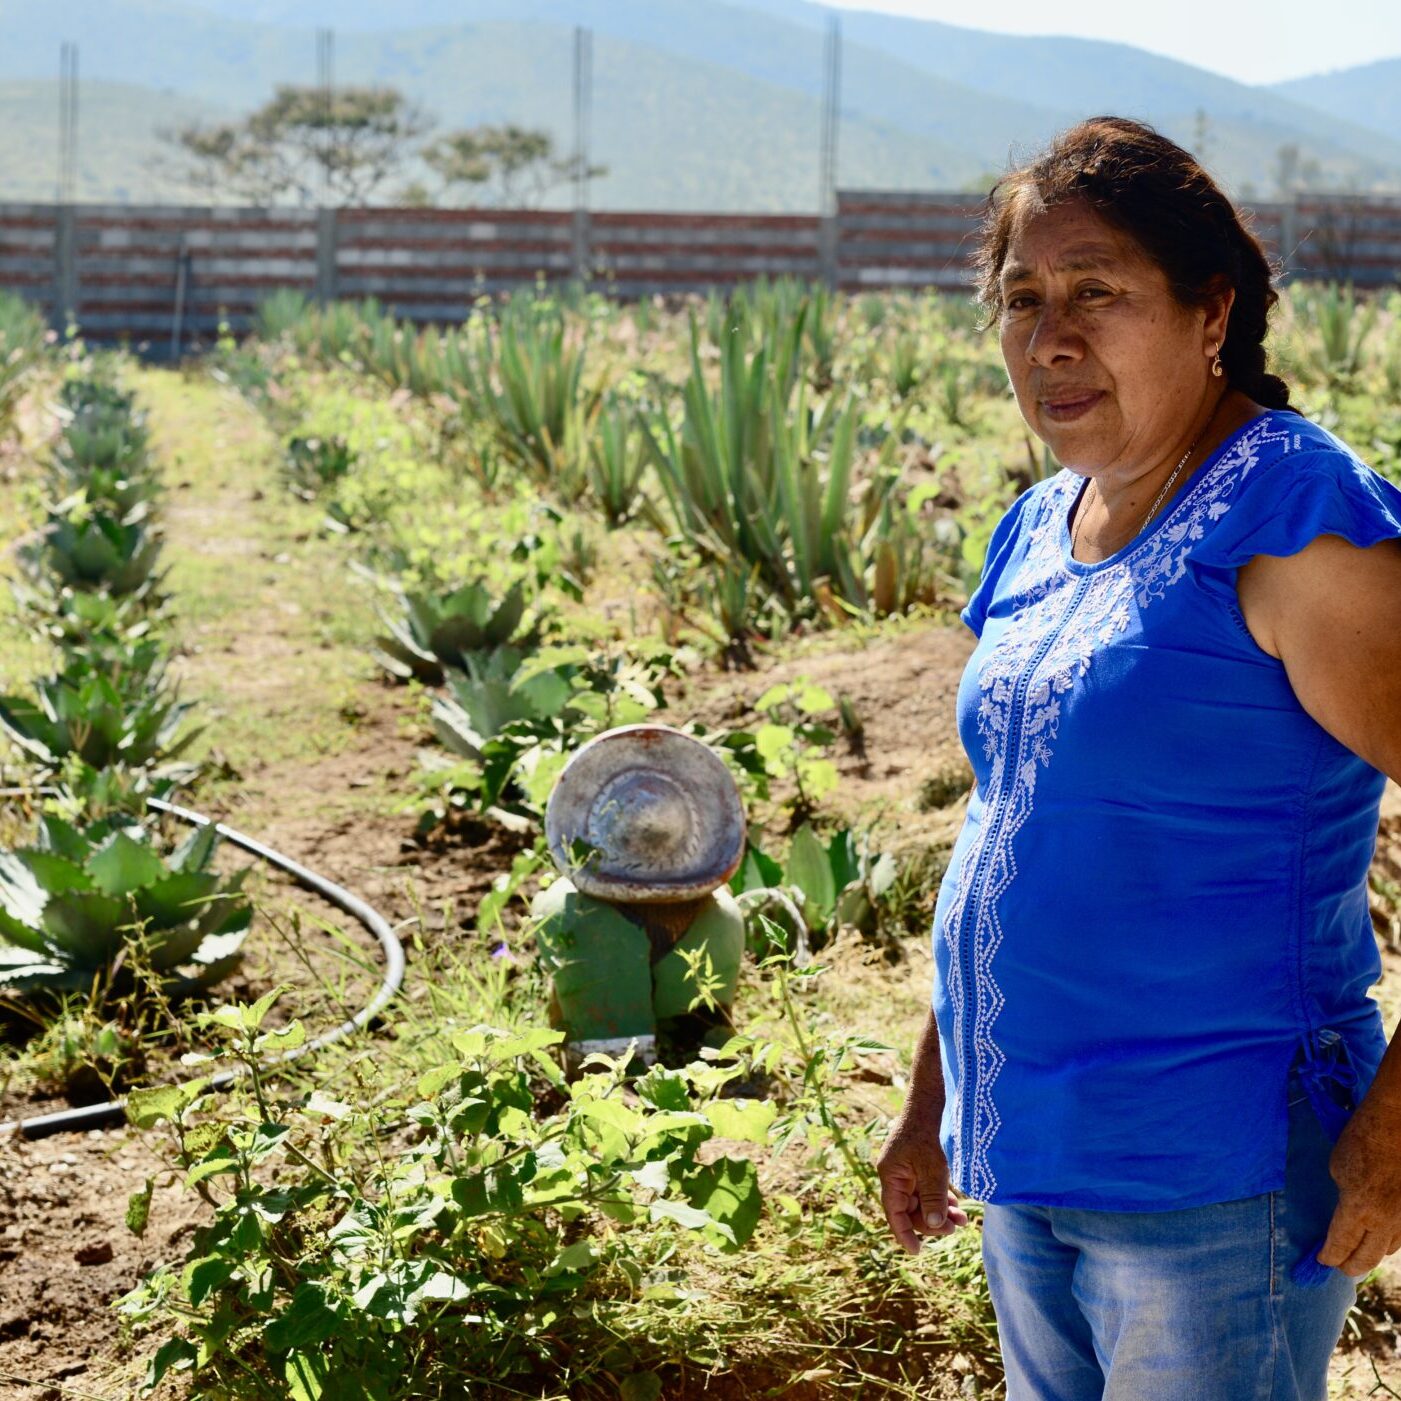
{"type": "Point", "coordinates": [507, 1232]}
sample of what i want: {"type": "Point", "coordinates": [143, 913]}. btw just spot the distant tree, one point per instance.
{"type": "Point", "coordinates": [305, 143]}
{"type": "Point", "coordinates": [511, 166]}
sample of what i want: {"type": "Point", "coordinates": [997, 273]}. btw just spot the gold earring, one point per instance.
{"type": "Point", "coordinates": [1216, 363]}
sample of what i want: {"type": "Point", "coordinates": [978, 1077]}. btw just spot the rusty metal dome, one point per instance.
{"type": "Point", "coordinates": [645, 813]}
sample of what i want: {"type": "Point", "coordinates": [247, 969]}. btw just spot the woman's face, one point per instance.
{"type": "Point", "coordinates": [1109, 370]}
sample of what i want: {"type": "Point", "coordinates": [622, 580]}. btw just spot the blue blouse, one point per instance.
{"type": "Point", "coordinates": [1158, 898]}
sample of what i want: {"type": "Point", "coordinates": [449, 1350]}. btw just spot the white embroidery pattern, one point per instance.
{"type": "Point", "coordinates": [1072, 617]}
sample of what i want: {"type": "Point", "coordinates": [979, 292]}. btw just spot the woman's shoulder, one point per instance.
{"type": "Point", "coordinates": [1286, 479]}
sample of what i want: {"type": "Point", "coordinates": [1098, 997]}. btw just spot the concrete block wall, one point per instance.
{"type": "Point", "coordinates": [168, 274]}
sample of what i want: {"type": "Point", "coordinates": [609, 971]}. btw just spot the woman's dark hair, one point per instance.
{"type": "Point", "coordinates": [1151, 189]}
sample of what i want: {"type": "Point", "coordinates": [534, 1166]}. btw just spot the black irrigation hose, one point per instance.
{"type": "Point", "coordinates": [113, 1111]}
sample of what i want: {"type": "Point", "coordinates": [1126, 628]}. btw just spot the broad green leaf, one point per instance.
{"type": "Point", "coordinates": [147, 1107]}
{"type": "Point", "coordinates": [812, 699]}
{"type": "Point", "coordinates": [756, 872]}
{"type": "Point", "coordinates": [283, 1039]}
{"type": "Point", "coordinates": [203, 1276]}
{"type": "Point", "coordinates": [138, 1208]}
{"type": "Point", "coordinates": [746, 1120]}
{"type": "Point", "coordinates": [772, 741]}
{"type": "Point", "coordinates": [254, 1013]}
{"type": "Point", "coordinates": [311, 1315]}
{"type": "Point", "coordinates": [728, 1191]}
{"type": "Point", "coordinates": [579, 1256]}
{"type": "Point", "coordinates": [431, 1082]}
{"type": "Point", "coordinates": [178, 1354]}
{"type": "Point", "coordinates": [306, 1375]}
{"type": "Point", "coordinates": [220, 1161]}
{"type": "Point", "coordinates": [819, 776]}
{"type": "Point", "coordinates": [693, 1218]}
{"type": "Point", "coordinates": [640, 1386]}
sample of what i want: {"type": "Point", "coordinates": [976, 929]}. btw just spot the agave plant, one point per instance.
{"type": "Point", "coordinates": [131, 719]}
{"type": "Point", "coordinates": [92, 550]}
{"type": "Point", "coordinates": [95, 398]}
{"type": "Point", "coordinates": [93, 625]}
{"type": "Point", "coordinates": [437, 630]}
{"type": "Point", "coordinates": [117, 491]}
{"type": "Point", "coordinates": [312, 463]}
{"type": "Point", "coordinates": [566, 693]}
{"type": "Point", "coordinates": [281, 312]}
{"type": "Point", "coordinates": [757, 475]}
{"type": "Point", "coordinates": [540, 413]}
{"type": "Point", "coordinates": [72, 905]}
{"type": "Point", "coordinates": [492, 694]}
{"type": "Point", "coordinates": [617, 461]}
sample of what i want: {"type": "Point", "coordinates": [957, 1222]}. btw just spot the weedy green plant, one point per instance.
{"type": "Point", "coordinates": [74, 905]}
{"type": "Point", "coordinates": [835, 883]}
{"type": "Point", "coordinates": [791, 745]}
{"type": "Point", "coordinates": [79, 1052]}
{"type": "Point", "coordinates": [499, 1240]}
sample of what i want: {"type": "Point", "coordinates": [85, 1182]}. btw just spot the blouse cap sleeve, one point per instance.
{"type": "Point", "coordinates": [1328, 492]}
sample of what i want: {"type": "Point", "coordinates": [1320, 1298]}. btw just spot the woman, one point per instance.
{"type": "Point", "coordinates": [1150, 1018]}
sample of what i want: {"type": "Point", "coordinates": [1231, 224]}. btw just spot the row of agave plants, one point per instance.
{"type": "Point", "coordinates": [103, 899]}
{"type": "Point", "coordinates": [775, 502]}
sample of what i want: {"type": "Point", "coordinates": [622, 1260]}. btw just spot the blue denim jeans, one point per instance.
{"type": "Point", "coordinates": [1193, 1305]}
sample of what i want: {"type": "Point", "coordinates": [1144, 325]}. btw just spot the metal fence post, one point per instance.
{"type": "Point", "coordinates": [828, 234]}
{"type": "Point", "coordinates": [580, 249]}
{"type": "Point", "coordinates": [325, 256]}
{"type": "Point", "coordinates": [65, 267]}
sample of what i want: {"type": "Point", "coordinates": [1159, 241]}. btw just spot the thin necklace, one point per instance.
{"type": "Point", "coordinates": [1152, 510]}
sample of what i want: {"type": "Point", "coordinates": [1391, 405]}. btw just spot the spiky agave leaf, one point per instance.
{"type": "Point", "coordinates": [70, 904]}
{"type": "Point", "coordinates": [96, 551]}
{"type": "Point", "coordinates": [100, 720]}
{"type": "Point", "coordinates": [441, 630]}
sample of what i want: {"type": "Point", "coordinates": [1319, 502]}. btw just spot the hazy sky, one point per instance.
{"type": "Point", "coordinates": [1226, 36]}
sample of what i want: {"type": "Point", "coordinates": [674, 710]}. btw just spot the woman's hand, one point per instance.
{"type": "Point", "coordinates": [914, 1187]}
{"type": "Point", "coordinates": [1366, 1165]}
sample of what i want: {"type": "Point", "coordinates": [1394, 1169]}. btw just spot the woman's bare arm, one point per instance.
{"type": "Point", "coordinates": [1332, 615]}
